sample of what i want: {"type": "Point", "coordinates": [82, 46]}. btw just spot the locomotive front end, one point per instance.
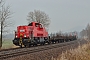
{"type": "Point", "coordinates": [22, 36]}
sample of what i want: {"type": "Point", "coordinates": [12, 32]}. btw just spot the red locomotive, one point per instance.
{"type": "Point", "coordinates": [34, 33]}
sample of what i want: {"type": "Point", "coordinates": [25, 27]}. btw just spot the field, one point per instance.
{"type": "Point", "coordinates": [7, 43]}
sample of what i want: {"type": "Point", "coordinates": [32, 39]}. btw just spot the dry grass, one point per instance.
{"type": "Point", "coordinates": [80, 53]}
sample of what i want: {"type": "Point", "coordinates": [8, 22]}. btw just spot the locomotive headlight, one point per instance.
{"type": "Point", "coordinates": [16, 36]}
{"type": "Point", "coordinates": [25, 36]}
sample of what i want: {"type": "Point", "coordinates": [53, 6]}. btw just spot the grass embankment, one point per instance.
{"type": "Point", "coordinates": [80, 53]}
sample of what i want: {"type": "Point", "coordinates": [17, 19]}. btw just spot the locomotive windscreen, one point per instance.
{"type": "Point", "coordinates": [22, 30]}
{"type": "Point", "coordinates": [30, 24]}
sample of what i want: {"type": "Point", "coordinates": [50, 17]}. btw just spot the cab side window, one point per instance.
{"type": "Point", "coordinates": [41, 26]}
{"type": "Point", "coordinates": [37, 24]}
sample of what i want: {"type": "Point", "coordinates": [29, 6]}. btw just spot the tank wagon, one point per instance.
{"type": "Point", "coordinates": [34, 33]}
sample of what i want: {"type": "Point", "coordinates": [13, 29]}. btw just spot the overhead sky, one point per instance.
{"type": "Point", "coordinates": [65, 15]}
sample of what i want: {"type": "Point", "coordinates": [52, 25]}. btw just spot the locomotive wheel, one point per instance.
{"type": "Point", "coordinates": [49, 42]}
{"type": "Point", "coordinates": [42, 44]}
{"type": "Point", "coordinates": [35, 45]}
{"type": "Point", "coordinates": [28, 45]}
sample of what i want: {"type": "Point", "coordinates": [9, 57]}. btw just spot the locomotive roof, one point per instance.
{"type": "Point", "coordinates": [32, 22]}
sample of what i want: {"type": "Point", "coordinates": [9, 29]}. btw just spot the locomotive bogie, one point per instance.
{"type": "Point", "coordinates": [16, 42]}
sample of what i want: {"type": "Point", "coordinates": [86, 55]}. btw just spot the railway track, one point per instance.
{"type": "Point", "coordinates": [22, 51]}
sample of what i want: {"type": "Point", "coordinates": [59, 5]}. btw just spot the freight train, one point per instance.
{"type": "Point", "coordinates": [34, 34]}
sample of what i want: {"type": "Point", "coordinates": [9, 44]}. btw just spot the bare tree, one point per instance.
{"type": "Point", "coordinates": [88, 31]}
{"type": "Point", "coordinates": [4, 16]}
{"type": "Point", "coordinates": [85, 33]}
{"type": "Point", "coordinates": [40, 17]}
